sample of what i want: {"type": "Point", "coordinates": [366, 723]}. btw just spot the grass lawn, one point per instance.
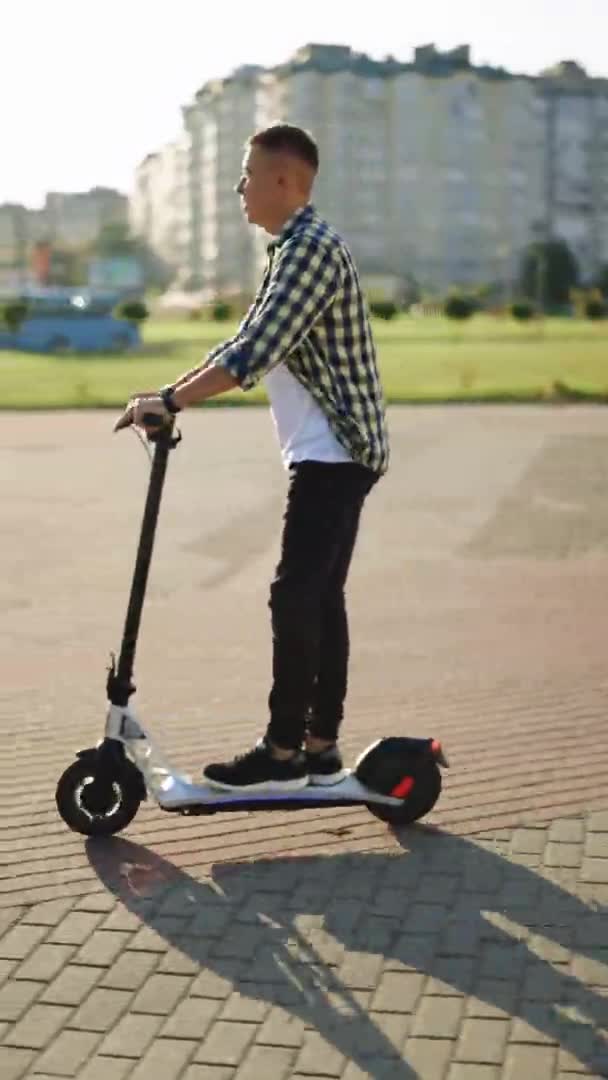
{"type": "Point", "coordinates": [421, 360]}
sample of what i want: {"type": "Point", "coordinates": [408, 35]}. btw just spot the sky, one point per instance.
{"type": "Point", "coordinates": [89, 87]}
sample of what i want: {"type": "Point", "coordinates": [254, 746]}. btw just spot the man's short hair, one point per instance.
{"type": "Point", "coordinates": [287, 138]}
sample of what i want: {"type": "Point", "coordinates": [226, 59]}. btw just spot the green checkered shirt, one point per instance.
{"type": "Point", "coordinates": [310, 313]}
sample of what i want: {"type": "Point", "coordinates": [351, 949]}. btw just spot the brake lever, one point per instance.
{"type": "Point", "coordinates": [124, 421]}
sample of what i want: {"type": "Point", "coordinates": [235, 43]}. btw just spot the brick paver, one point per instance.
{"type": "Point", "coordinates": [471, 947]}
{"type": "Point", "coordinates": [532, 1000]}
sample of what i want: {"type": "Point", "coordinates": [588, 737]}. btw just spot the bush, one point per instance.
{"type": "Point", "coordinates": [134, 311]}
{"type": "Point", "coordinates": [522, 310]}
{"type": "Point", "coordinates": [383, 309]}
{"type": "Point", "coordinates": [458, 307]}
{"type": "Point", "coordinates": [221, 311]}
{"type": "Point", "coordinates": [14, 314]}
{"type": "Point", "coordinates": [549, 271]}
{"type": "Point", "coordinates": [595, 309]}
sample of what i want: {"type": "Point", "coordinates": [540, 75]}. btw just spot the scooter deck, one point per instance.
{"type": "Point", "coordinates": [177, 793]}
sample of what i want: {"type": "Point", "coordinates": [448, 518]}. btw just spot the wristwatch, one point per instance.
{"type": "Point", "coordinates": [166, 396]}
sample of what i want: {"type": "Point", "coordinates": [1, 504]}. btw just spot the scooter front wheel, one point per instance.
{"type": "Point", "coordinates": [95, 802]}
{"type": "Point", "coordinates": [417, 804]}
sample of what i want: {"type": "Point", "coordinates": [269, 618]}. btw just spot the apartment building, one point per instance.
{"type": "Point", "coordinates": [431, 169]}
{"type": "Point", "coordinates": [159, 209]}
{"type": "Point", "coordinates": [576, 149]}
{"type": "Point", "coordinates": [67, 220]}
{"type": "Point", "coordinates": [13, 244]}
{"type": "Point", "coordinates": [73, 219]}
{"type": "Point", "coordinates": [436, 170]}
{"type": "Point", "coordinates": [225, 252]}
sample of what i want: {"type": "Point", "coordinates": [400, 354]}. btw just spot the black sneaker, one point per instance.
{"type": "Point", "coordinates": [258, 770]}
{"type": "Point", "coordinates": [326, 767]}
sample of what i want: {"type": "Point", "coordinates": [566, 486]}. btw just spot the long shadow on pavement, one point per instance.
{"type": "Point", "coordinates": [343, 944]}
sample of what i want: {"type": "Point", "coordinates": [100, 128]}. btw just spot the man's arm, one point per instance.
{"type": "Point", "coordinates": [210, 382]}
{"type": "Point", "coordinates": [217, 349]}
{"type": "Point", "coordinates": [304, 281]}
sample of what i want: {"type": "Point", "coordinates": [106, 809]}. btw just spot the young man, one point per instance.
{"type": "Point", "coordinates": [308, 337]}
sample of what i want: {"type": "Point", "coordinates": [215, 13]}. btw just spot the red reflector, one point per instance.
{"type": "Point", "coordinates": [403, 788]}
{"type": "Point", "coordinates": [436, 746]}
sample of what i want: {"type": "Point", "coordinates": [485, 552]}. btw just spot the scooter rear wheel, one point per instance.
{"type": "Point", "coordinates": [417, 804]}
{"type": "Point", "coordinates": [96, 803]}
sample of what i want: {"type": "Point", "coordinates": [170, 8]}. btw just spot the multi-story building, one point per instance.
{"type": "Point", "coordinates": [14, 244]}
{"type": "Point", "coordinates": [74, 219]}
{"type": "Point", "coordinates": [576, 167]}
{"type": "Point", "coordinates": [224, 250]}
{"type": "Point", "coordinates": [435, 170]}
{"type": "Point", "coordinates": [159, 210]}
{"type": "Point", "coordinates": [68, 221]}
{"type": "Point", "coordinates": [142, 197]}
{"type": "Point", "coordinates": [431, 169]}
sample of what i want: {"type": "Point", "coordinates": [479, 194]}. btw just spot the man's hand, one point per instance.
{"type": "Point", "coordinates": [137, 406]}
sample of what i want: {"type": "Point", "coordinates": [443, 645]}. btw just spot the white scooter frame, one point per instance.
{"type": "Point", "coordinates": [177, 791]}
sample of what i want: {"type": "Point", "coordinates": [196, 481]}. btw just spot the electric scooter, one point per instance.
{"type": "Point", "coordinates": [397, 778]}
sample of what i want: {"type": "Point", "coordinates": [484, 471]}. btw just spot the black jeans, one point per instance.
{"type": "Point", "coordinates": [308, 610]}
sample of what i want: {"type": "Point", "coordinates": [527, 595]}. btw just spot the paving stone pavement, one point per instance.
{"type": "Point", "coordinates": [471, 946]}
{"type": "Point", "coordinates": [441, 958]}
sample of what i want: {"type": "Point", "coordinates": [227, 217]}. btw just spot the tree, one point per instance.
{"type": "Point", "coordinates": [522, 311]}
{"type": "Point", "coordinates": [595, 309]}
{"type": "Point", "coordinates": [383, 309]}
{"type": "Point", "coordinates": [602, 281]}
{"type": "Point", "coordinates": [134, 311]}
{"type": "Point", "coordinates": [114, 238]}
{"type": "Point", "coordinates": [549, 272]}
{"type": "Point", "coordinates": [458, 307]}
{"type": "Point", "coordinates": [67, 268]}
{"type": "Point", "coordinates": [14, 314]}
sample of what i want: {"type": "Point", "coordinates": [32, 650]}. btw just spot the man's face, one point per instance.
{"type": "Point", "coordinates": [261, 188]}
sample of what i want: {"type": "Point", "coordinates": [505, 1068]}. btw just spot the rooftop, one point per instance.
{"type": "Point", "coordinates": [428, 60]}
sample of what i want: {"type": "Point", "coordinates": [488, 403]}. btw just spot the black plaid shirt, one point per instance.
{"type": "Point", "coordinates": [310, 313]}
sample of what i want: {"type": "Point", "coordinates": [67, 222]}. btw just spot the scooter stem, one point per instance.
{"type": "Point", "coordinates": [119, 684]}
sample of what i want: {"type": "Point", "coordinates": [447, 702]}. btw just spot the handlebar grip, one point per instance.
{"type": "Point", "coordinates": [149, 420]}
{"type": "Point", "coordinates": [158, 423]}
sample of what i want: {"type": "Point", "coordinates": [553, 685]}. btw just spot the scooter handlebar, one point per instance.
{"type": "Point", "coordinates": [149, 420]}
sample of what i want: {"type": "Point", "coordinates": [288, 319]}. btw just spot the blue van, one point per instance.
{"type": "Point", "coordinates": [71, 320]}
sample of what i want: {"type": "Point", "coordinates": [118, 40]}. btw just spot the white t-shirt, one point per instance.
{"type": "Point", "coordinates": [302, 428]}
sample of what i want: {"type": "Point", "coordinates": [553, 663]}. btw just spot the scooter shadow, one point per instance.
{"type": "Point", "coordinates": [343, 944]}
